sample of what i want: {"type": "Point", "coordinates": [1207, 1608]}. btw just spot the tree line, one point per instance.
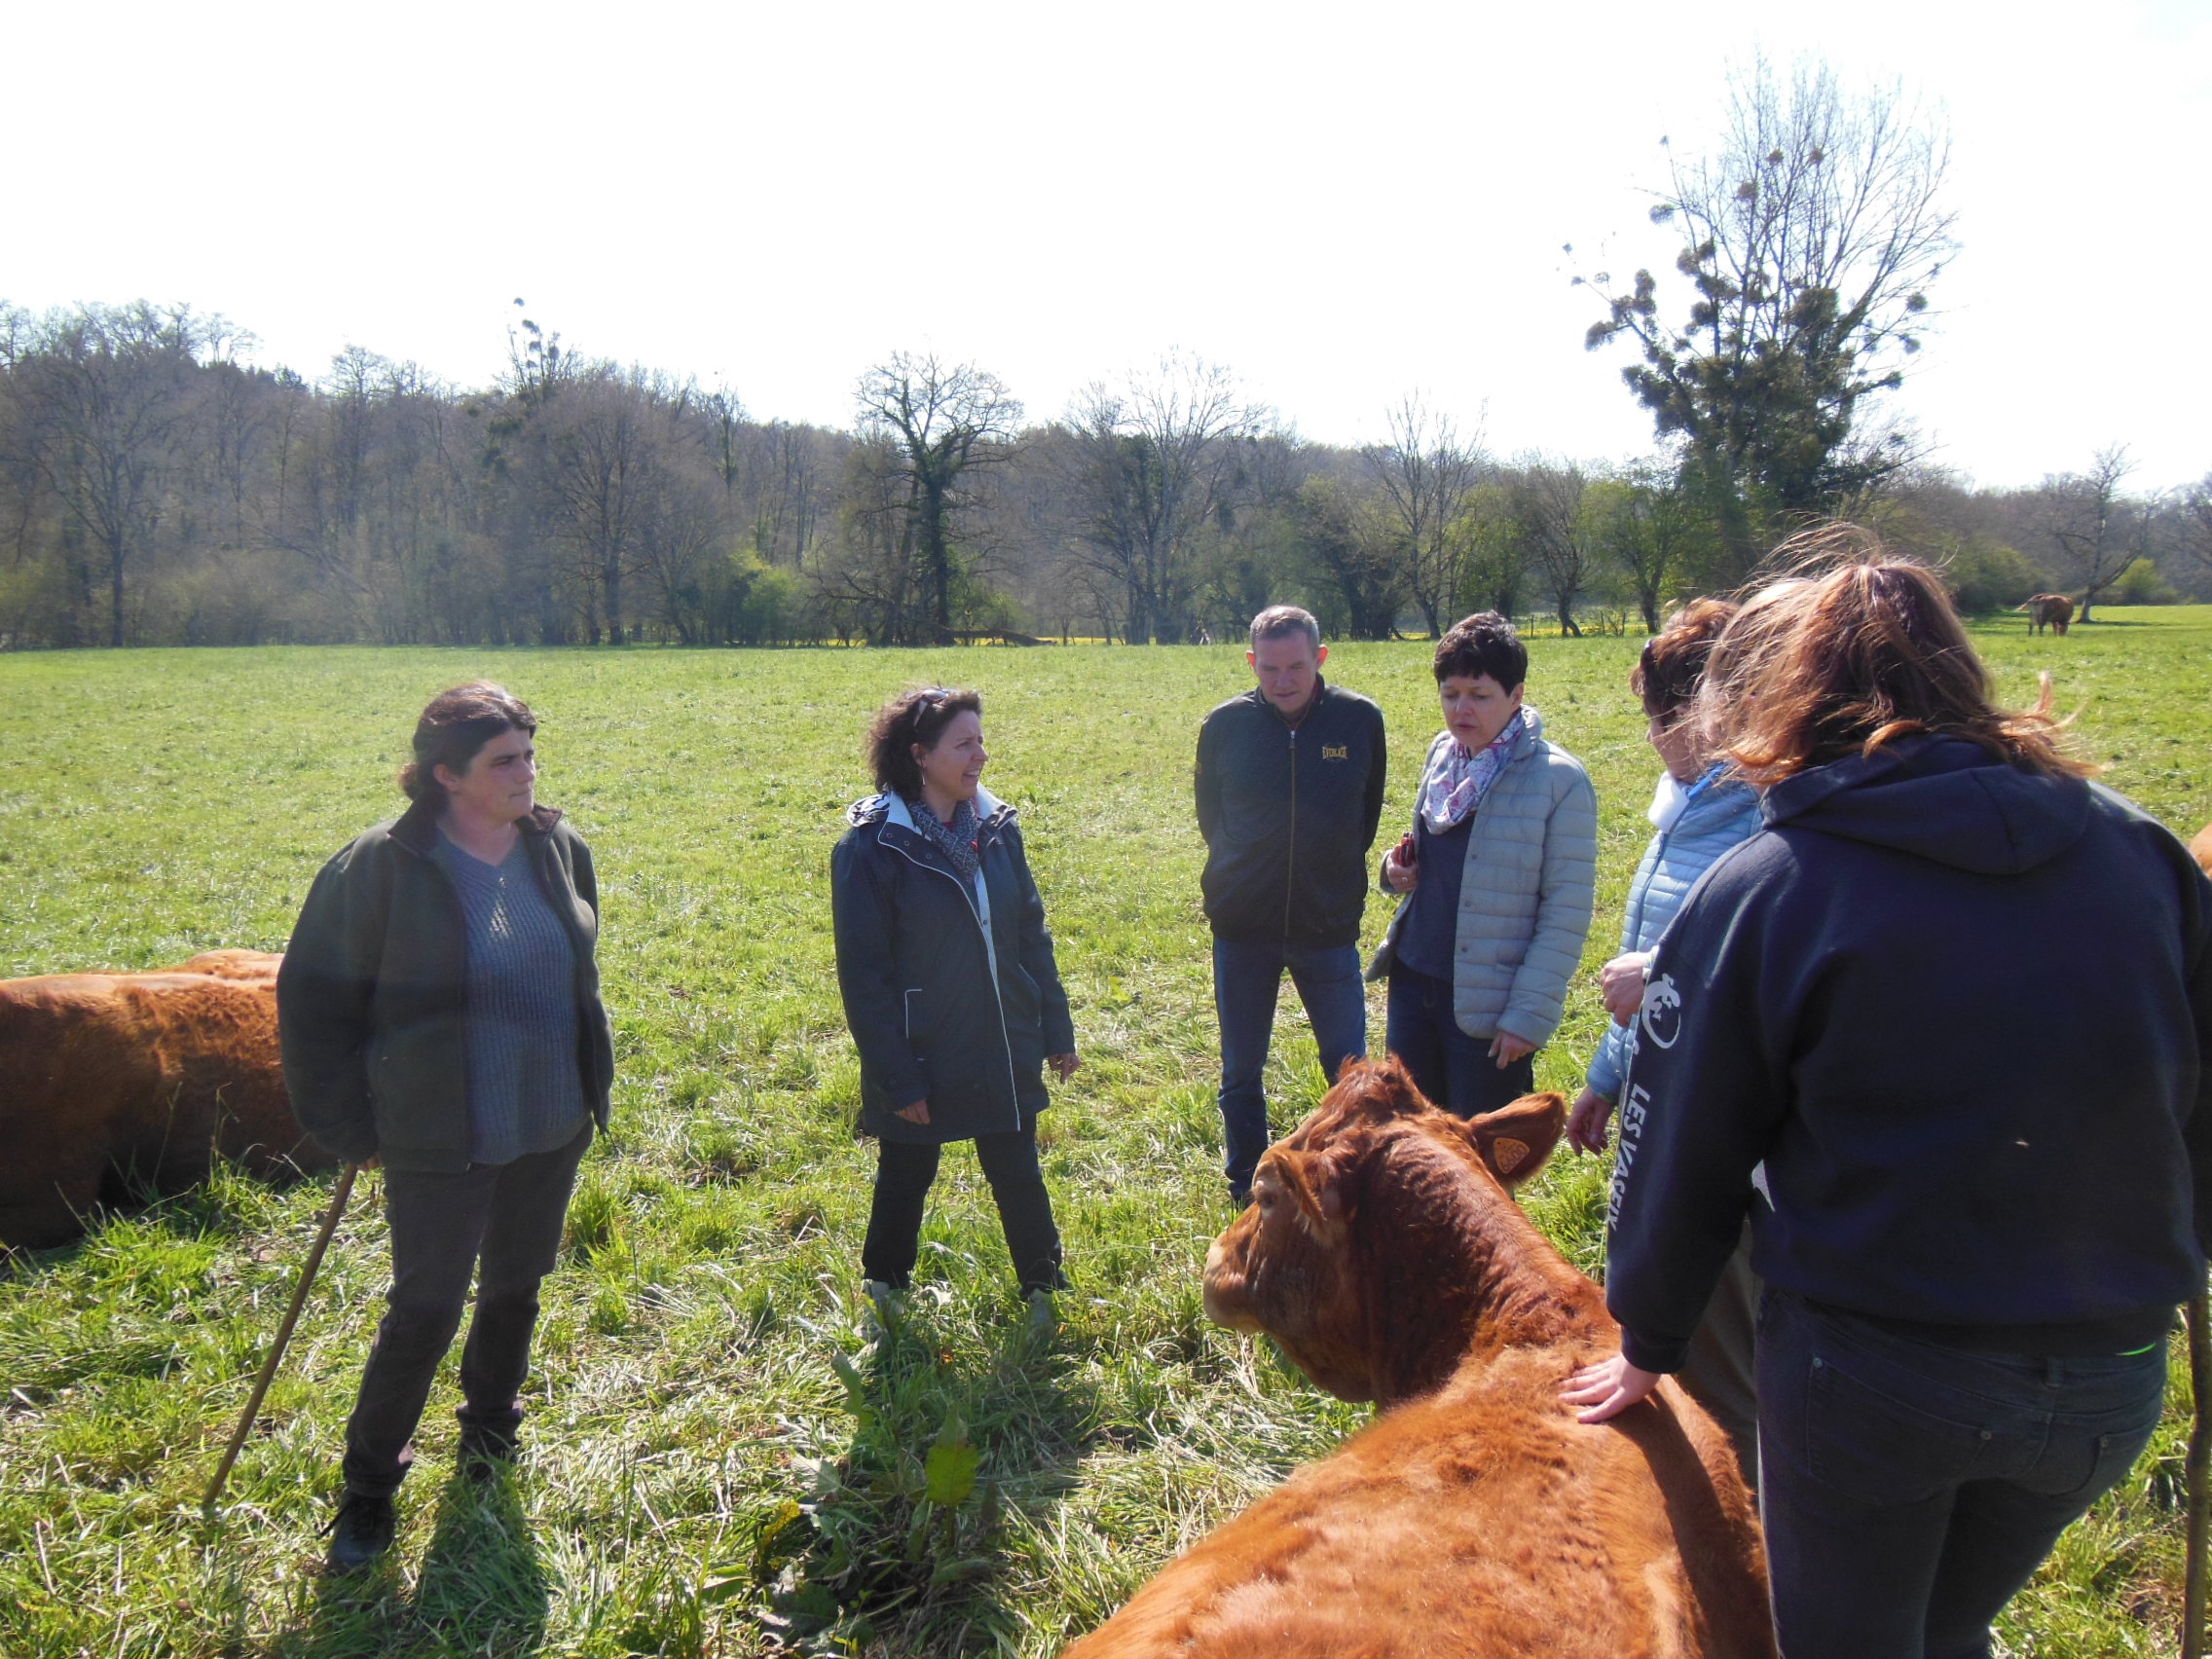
{"type": "Point", "coordinates": [157, 488]}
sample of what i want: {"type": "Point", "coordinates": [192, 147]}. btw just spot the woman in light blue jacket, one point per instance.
{"type": "Point", "coordinates": [1699, 813]}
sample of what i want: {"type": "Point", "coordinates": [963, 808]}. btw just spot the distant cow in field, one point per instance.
{"type": "Point", "coordinates": [1474, 1516]}
{"type": "Point", "coordinates": [116, 1083]}
{"type": "Point", "coordinates": [2053, 610]}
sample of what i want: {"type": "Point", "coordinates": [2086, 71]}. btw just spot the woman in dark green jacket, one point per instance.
{"type": "Point", "coordinates": [949, 985]}
{"type": "Point", "coordinates": [439, 1013]}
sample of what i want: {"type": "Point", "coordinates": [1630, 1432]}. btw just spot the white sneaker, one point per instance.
{"type": "Point", "coordinates": [886, 1307]}
{"type": "Point", "coordinates": [1043, 1312]}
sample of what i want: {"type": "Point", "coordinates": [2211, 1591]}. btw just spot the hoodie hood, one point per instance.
{"type": "Point", "coordinates": [1941, 798]}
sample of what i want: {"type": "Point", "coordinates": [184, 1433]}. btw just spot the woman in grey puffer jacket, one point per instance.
{"type": "Point", "coordinates": [1699, 812]}
{"type": "Point", "coordinates": [1497, 874]}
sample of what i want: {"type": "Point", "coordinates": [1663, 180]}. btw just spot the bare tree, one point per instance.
{"type": "Point", "coordinates": [2088, 520]}
{"type": "Point", "coordinates": [1497, 549]}
{"type": "Point", "coordinates": [599, 450]}
{"type": "Point", "coordinates": [1353, 539]}
{"type": "Point", "coordinates": [1547, 501]}
{"type": "Point", "coordinates": [2195, 511]}
{"type": "Point", "coordinates": [867, 580]}
{"type": "Point", "coordinates": [1426, 472]}
{"type": "Point", "coordinates": [110, 387]}
{"type": "Point", "coordinates": [942, 421]}
{"type": "Point", "coordinates": [1157, 459]}
{"type": "Point", "coordinates": [1644, 525]}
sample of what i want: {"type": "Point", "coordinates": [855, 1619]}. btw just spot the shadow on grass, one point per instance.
{"type": "Point", "coordinates": [902, 1542]}
{"type": "Point", "coordinates": [481, 1590]}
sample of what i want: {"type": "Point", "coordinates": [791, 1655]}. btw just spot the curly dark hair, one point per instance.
{"type": "Point", "coordinates": [912, 718]}
{"type": "Point", "coordinates": [1479, 645]}
{"type": "Point", "coordinates": [452, 729]}
{"type": "Point", "coordinates": [1666, 675]}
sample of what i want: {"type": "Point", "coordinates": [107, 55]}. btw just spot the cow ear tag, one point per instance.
{"type": "Point", "coordinates": [1509, 1154]}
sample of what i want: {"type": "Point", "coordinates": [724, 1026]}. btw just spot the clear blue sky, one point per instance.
{"type": "Point", "coordinates": [1343, 204]}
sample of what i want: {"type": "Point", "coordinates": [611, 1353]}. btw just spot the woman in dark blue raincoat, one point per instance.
{"type": "Point", "coordinates": [950, 985]}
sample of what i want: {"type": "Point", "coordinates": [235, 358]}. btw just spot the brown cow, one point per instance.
{"type": "Point", "coordinates": [111, 1083]}
{"type": "Point", "coordinates": [1474, 1516]}
{"type": "Point", "coordinates": [2053, 610]}
{"type": "Point", "coordinates": [2201, 849]}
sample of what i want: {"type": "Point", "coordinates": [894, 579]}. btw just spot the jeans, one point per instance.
{"type": "Point", "coordinates": [1721, 1370]}
{"type": "Point", "coordinates": [1245, 980]}
{"type": "Point", "coordinates": [501, 1222]}
{"type": "Point", "coordinates": [1453, 1069]}
{"type": "Point", "coordinates": [903, 1172]}
{"type": "Point", "coordinates": [1910, 1489]}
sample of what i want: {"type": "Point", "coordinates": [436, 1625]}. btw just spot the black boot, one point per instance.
{"type": "Point", "coordinates": [487, 1442]}
{"type": "Point", "coordinates": [362, 1531]}
{"type": "Point", "coordinates": [484, 1453]}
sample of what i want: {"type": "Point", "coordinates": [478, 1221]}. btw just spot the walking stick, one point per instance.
{"type": "Point", "coordinates": [2193, 1467]}
{"type": "Point", "coordinates": [283, 1332]}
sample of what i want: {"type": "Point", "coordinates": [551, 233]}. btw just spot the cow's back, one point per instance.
{"type": "Point", "coordinates": [135, 1077]}
{"type": "Point", "coordinates": [1480, 1520]}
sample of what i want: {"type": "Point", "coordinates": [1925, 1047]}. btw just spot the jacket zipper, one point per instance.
{"type": "Point", "coordinates": [1290, 857]}
{"type": "Point", "coordinates": [990, 962]}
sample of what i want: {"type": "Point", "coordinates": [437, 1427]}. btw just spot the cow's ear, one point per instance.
{"type": "Point", "coordinates": [1318, 1183]}
{"type": "Point", "coordinates": [1514, 1140]}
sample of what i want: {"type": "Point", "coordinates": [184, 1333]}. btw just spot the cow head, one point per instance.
{"type": "Point", "coordinates": [1350, 1255]}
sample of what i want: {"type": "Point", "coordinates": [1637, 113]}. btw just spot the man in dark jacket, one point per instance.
{"type": "Point", "coordinates": [1289, 782]}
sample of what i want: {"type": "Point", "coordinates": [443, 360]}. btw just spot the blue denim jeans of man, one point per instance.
{"type": "Point", "coordinates": [1453, 1069]}
{"type": "Point", "coordinates": [499, 1223]}
{"type": "Point", "coordinates": [1909, 1489]}
{"type": "Point", "coordinates": [1246, 979]}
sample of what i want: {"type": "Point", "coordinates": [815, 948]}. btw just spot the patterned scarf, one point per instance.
{"type": "Point", "coordinates": [1456, 781]}
{"type": "Point", "coordinates": [960, 841]}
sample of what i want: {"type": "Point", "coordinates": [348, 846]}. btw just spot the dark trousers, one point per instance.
{"type": "Point", "coordinates": [1909, 1489]}
{"type": "Point", "coordinates": [1721, 1370]}
{"type": "Point", "coordinates": [1246, 979]}
{"type": "Point", "coordinates": [1451, 1068]}
{"type": "Point", "coordinates": [501, 1222]}
{"type": "Point", "coordinates": [903, 1172]}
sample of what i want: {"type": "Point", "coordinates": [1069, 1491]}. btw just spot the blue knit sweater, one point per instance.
{"type": "Point", "coordinates": [524, 1089]}
{"type": "Point", "coordinates": [1716, 815]}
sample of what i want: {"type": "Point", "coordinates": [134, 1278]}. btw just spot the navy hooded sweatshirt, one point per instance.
{"type": "Point", "coordinates": [1959, 1010]}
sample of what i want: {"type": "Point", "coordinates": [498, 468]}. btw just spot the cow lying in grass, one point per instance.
{"type": "Point", "coordinates": [116, 1084]}
{"type": "Point", "coordinates": [1475, 1516]}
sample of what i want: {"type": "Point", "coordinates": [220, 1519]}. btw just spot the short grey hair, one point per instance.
{"type": "Point", "coordinates": [1278, 620]}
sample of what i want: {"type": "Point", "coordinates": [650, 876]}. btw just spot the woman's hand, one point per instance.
{"type": "Point", "coordinates": [1607, 1389]}
{"type": "Point", "coordinates": [1586, 1123]}
{"type": "Point", "coordinates": [1505, 1049]}
{"type": "Point", "coordinates": [1399, 877]}
{"type": "Point", "coordinates": [1063, 1064]}
{"type": "Point", "coordinates": [1620, 982]}
{"type": "Point", "coordinates": [917, 1112]}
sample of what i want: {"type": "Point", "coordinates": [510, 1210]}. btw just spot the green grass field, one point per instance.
{"type": "Point", "coordinates": [718, 1462]}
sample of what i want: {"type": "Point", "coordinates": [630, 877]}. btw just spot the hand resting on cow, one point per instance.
{"type": "Point", "coordinates": [1385, 1257]}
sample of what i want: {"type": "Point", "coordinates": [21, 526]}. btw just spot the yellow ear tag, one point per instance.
{"type": "Point", "coordinates": [1509, 1154]}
